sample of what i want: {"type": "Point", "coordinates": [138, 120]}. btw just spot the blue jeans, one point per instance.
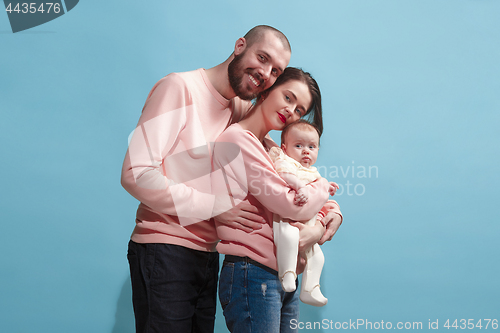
{"type": "Point", "coordinates": [253, 300]}
{"type": "Point", "coordinates": [174, 288]}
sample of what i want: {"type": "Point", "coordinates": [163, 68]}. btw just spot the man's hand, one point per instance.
{"type": "Point", "coordinates": [333, 188]}
{"type": "Point", "coordinates": [244, 216]}
{"type": "Point", "coordinates": [332, 221]}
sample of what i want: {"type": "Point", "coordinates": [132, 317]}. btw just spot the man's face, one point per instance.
{"type": "Point", "coordinates": [256, 68]}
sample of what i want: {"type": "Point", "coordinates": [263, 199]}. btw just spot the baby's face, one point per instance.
{"type": "Point", "coordinates": [302, 145]}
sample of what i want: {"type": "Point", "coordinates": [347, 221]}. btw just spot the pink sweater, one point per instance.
{"type": "Point", "coordinates": [243, 168]}
{"type": "Point", "coordinates": [168, 162]}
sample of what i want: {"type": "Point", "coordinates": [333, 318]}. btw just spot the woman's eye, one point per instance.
{"type": "Point", "coordinates": [287, 97]}
{"type": "Point", "coordinates": [299, 112]}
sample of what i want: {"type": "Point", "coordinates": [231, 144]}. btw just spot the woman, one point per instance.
{"type": "Point", "coordinates": [249, 289]}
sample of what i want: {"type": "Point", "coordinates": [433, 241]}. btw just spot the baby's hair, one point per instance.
{"type": "Point", "coordinates": [303, 124]}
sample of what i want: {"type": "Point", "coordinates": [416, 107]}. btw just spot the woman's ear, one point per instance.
{"type": "Point", "coordinates": [240, 46]}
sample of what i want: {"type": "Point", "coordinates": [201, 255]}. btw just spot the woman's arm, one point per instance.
{"type": "Point", "coordinates": [242, 166]}
{"type": "Point", "coordinates": [329, 221]}
{"type": "Point", "coordinates": [332, 218]}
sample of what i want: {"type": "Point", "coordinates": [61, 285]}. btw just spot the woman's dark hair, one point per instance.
{"type": "Point", "coordinates": [314, 112]}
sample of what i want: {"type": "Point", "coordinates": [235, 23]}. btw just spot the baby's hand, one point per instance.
{"type": "Point", "coordinates": [333, 188]}
{"type": "Point", "coordinates": [301, 197]}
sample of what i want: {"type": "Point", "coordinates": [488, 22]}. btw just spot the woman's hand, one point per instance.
{"type": "Point", "coordinates": [309, 235]}
{"type": "Point", "coordinates": [332, 221]}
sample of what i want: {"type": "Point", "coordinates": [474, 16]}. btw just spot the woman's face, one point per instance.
{"type": "Point", "coordinates": [286, 104]}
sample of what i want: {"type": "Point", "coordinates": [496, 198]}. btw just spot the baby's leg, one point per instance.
{"type": "Point", "coordinates": [310, 292]}
{"type": "Point", "coordinates": [286, 239]}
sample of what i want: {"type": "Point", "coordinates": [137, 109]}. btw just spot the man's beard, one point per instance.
{"type": "Point", "coordinates": [235, 72]}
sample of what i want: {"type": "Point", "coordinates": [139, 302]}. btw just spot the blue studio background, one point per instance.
{"type": "Point", "coordinates": [411, 101]}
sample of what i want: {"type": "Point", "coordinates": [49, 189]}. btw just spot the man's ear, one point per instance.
{"type": "Point", "coordinates": [240, 46]}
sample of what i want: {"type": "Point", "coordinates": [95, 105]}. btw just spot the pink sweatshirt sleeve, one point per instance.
{"type": "Point", "coordinates": [166, 112]}
{"type": "Point", "coordinates": [331, 205]}
{"type": "Point", "coordinates": [243, 166]}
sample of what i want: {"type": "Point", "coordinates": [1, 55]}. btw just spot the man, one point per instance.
{"type": "Point", "coordinates": [173, 263]}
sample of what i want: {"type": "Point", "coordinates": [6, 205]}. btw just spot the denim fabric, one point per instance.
{"type": "Point", "coordinates": [174, 288]}
{"type": "Point", "coordinates": [253, 300]}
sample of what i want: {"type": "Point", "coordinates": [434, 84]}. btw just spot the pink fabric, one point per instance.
{"type": "Point", "coordinates": [243, 167]}
{"type": "Point", "coordinates": [168, 163]}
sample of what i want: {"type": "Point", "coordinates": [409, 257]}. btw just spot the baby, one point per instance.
{"type": "Point", "coordinates": [294, 163]}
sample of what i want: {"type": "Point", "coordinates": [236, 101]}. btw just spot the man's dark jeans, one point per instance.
{"type": "Point", "coordinates": [173, 288]}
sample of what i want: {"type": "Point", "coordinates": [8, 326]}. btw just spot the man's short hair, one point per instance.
{"type": "Point", "coordinates": [258, 32]}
